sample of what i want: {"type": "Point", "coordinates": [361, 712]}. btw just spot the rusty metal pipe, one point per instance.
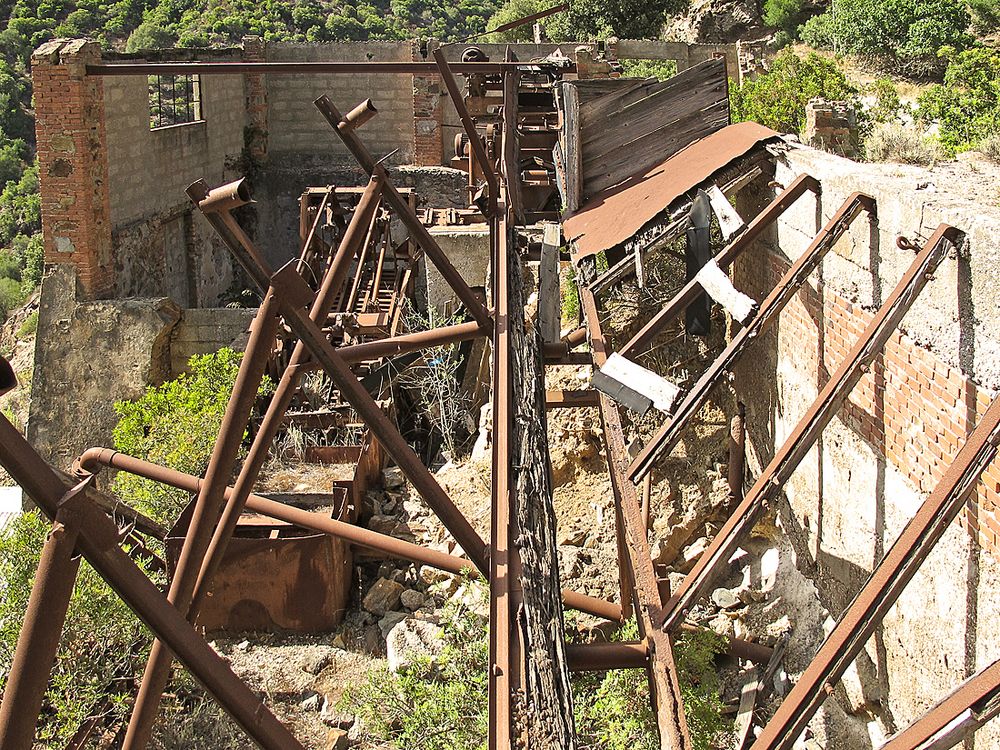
{"type": "Point", "coordinates": [405, 212]}
{"type": "Point", "coordinates": [98, 542]}
{"type": "Point", "coordinates": [410, 342]}
{"type": "Point", "coordinates": [205, 517]}
{"type": "Point", "coordinates": [737, 453]}
{"type": "Point", "coordinates": [8, 381]}
{"type": "Point", "coordinates": [359, 115]}
{"type": "Point", "coordinates": [602, 657]}
{"type": "Point", "coordinates": [575, 337]}
{"type": "Point", "coordinates": [38, 640]}
{"type": "Point", "coordinates": [226, 197]}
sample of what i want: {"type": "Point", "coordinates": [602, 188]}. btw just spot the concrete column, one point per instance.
{"type": "Point", "coordinates": [73, 163]}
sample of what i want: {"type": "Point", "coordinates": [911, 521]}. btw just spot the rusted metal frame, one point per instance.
{"type": "Point", "coordinates": [208, 509]}
{"type": "Point", "coordinates": [503, 667]}
{"type": "Point", "coordinates": [404, 285]}
{"type": "Point", "coordinates": [670, 431]}
{"type": "Point", "coordinates": [569, 399]}
{"type": "Point", "coordinates": [38, 639]}
{"type": "Point", "coordinates": [286, 68]}
{"type": "Point", "coordinates": [294, 294]}
{"type": "Point", "coordinates": [724, 259]}
{"type": "Point", "coordinates": [664, 685]}
{"type": "Point", "coordinates": [885, 585]}
{"type": "Point", "coordinates": [330, 286]}
{"type": "Point", "coordinates": [307, 242]}
{"type": "Point", "coordinates": [770, 483]}
{"type": "Point", "coordinates": [603, 657]}
{"type": "Point", "coordinates": [352, 298]}
{"type": "Point", "coordinates": [98, 543]}
{"type": "Point", "coordinates": [475, 143]}
{"type": "Point", "coordinates": [523, 20]}
{"type": "Point", "coordinates": [371, 296]}
{"type": "Point", "coordinates": [668, 234]}
{"type": "Point", "coordinates": [410, 342]}
{"type": "Point", "coordinates": [406, 213]}
{"type": "Point", "coordinates": [378, 422]}
{"type": "Point", "coordinates": [967, 708]}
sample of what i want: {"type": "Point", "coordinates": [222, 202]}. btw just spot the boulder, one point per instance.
{"type": "Point", "coordinates": [382, 597]}
{"type": "Point", "coordinates": [410, 640]}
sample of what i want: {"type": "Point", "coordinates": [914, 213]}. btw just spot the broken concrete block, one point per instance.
{"type": "Point", "coordinates": [382, 597]}
{"type": "Point", "coordinates": [411, 640]}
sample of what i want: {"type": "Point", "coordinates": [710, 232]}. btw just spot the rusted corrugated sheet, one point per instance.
{"type": "Point", "coordinates": [615, 215]}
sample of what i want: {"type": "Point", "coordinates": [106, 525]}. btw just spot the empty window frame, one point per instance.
{"type": "Point", "coordinates": [174, 100]}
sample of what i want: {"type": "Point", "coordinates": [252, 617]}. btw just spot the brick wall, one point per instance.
{"type": "Point", "coordinates": [73, 163]}
{"type": "Point", "coordinates": [832, 126]}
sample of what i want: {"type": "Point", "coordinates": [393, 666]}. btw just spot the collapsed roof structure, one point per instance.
{"type": "Point", "coordinates": [637, 164]}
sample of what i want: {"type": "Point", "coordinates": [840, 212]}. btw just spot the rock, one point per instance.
{"type": "Point", "coordinates": [572, 537]}
{"type": "Point", "coordinates": [725, 599]}
{"type": "Point", "coordinates": [333, 716]}
{"type": "Point", "coordinates": [430, 575]}
{"type": "Point", "coordinates": [695, 550]}
{"type": "Point", "coordinates": [371, 640]}
{"type": "Point", "coordinates": [312, 702]}
{"type": "Point", "coordinates": [769, 562]}
{"type": "Point", "coordinates": [393, 478]}
{"type": "Point", "coordinates": [382, 597]}
{"type": "Point", "coordinates": [412, 599]}
{"type": "Point", "coordinates": [388, 622]}
{"type": "Point", "coordinates": [316, 662]}
{"type": "Point", "coordinates": [339, 642]}
{"type": "Point", "coordinates": [337, 739]}
{"type": "Point", "coordinates": [713, 21]}
{"type": "Point", "coordinates": [383, 524]}
{"type": "Point", "coordinates": [242, 646]}
{"type": "Point", "coordinates": [411, 640]}
{"type": "Point", "coordinates": [723, 625]}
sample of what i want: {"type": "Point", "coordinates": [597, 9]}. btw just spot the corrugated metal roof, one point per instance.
{"type": "Point", "coordinates": [613, 216]}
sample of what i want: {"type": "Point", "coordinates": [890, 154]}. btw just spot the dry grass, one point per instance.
{"type": "Point", "coordinates": [903, 144]}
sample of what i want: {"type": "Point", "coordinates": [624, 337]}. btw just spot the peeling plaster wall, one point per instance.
{"type": "Point", "coordinates": [888, 446]}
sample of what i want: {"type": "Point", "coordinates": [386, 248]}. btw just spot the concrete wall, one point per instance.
{"type": "Point", "coordinates": [893, 440]}
{"type": "Point", "coordinates": [205, 331]}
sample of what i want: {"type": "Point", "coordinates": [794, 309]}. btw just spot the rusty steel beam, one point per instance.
{"type": "Point", "coordinates": [38, 639]}
{"type": "Point", "coordinates": [964, 710]}
{"type": "Point", "coordinates": [568, 399]}
{"type": "Point", "coordinates": [405, 212]}
{"type": "Point", "coordinates": [800, 441]}
{"type": "Point", "coordinates": [98, 543]}
{"type": "Point", "coordinates": [475, 142]}
{"type": "Point", "coordinates": [664, 684]}
{"type": "Point", "coordinates": [799, 186]}
{"type": "Point", "coordinates": [884, 587]}
{"type": "Point", "coordinates": [669, 433]}
{"type": "Point", "coordinates": [289, 68]}
{"type": "Point", "coordinates": [208, 508]}
{"type": "Point", "coordinates": [527, 19]}
{"type": "Point", "coordinates": [410, 342]}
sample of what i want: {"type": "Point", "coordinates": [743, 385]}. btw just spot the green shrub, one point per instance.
{"type": "Point", "coordinates": [29, 326]}
{"type": "Point", "coordinates": [901, 143]}
{"type": "Point", "coordinates": [443, 706]}
{"type": "Point", "coordinates": [783, 14]}
{"type": "Point", "coordinates": [175, 424]}
{"type": "Point", "coordinates": [10, 296]}
{"type": "Point", "coordinates": [659, 69]}
{"type": "Point", "coordinates": [778, 98]}
{"type": "Point", "coordinates": [904, 35]}
{"type": "Point", "coordinates": [967, 106]}
{"type": "Point", "coordinates": [102, 643]}
{"type": "Point", "coordinates": [990, 147]}
{"type": "Point", "coordinates": [818, 32]}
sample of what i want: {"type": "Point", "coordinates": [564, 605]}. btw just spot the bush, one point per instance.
{"type": "Point", "coordinates": [904, 35]}
{"type": "Point", "coordinates": [175, 424]}
{"type": "Point", "coordinates": [990, 147]}
{"type": "Point", "coordinates": [443, 706]}
{"type": "Point", "coordinates": [783, 14]}
{"type": "Point", "coordinates": [29, 326]}
{"type": "Point", "coordinates": [659, 69]}
{"type": "Point", "coordinates": [102, 646]}
{"type": "Point", "coordinates": [10, 297]}
{"type": "Point", "coordinates": [901, 143]}
{"type": "Point", "coordinates": [818, 31]}
{"type": "Point", "coordinates": [778, 98]}
{"type": "Point", "coordinates": [967, 106]}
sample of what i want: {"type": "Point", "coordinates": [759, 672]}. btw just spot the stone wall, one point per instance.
{"type": "Point", "coordinates": [890, 444]}
{"type": "Point", "coordinates": [205, 331]}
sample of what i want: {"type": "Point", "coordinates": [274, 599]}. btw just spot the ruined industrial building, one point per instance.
{"type": "Point", "coordinates": [691, 374]}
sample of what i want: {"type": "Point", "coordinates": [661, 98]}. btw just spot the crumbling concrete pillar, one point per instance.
{"type": "Point", "coordinates": [254, 50]}
{"type": "Point", "coordinates": [72, 162]}
{"type": "Point", "coordinates": [428, 143]}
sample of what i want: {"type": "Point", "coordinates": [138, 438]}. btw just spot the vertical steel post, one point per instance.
{"type": "Point", "coordinates": [38, 640]}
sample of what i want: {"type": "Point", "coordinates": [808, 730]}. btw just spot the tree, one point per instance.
{"type": "Point", "coordinates": [149, 36]}
{"type": "Point", "coordinates": [967, 106]}
{"type": "Point", "coordinates": [783, 14]}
